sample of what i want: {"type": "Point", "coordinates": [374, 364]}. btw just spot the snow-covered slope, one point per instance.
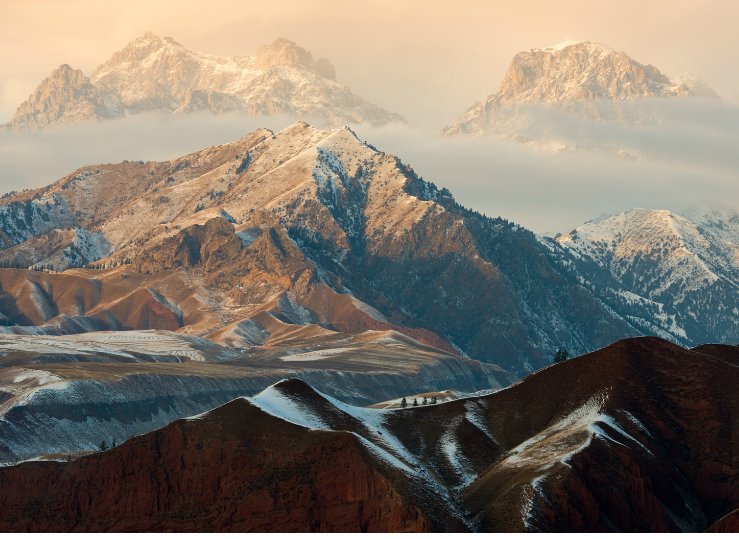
{"type": "Point", "coordinates": [688, 271]}
{"type": "Point", "coordinates": [158, 74]}
{"type": "Point", "coordinates": [585, 78]}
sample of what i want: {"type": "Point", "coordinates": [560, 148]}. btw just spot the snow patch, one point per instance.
{"type": "Point", "coordinates": [315, 355]}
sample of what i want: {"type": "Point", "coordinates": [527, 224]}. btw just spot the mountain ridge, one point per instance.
{"type": "Point", "coordinates": [688, 271]}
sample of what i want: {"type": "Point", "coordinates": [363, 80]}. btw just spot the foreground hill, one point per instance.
{"type": "Point", "coordinates": [633, 437]}
{"type": "Point", "coordinates": [155, 73]}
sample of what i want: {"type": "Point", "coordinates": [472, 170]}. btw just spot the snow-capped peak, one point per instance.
{"type": "Point", "coordinates": [665, 258]}
{"type": "Point", "coordinates": [159, 73]}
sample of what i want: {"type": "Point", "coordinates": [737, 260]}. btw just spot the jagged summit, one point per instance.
{"type": "Point", "coordinates": [154, 73]}
{"type": "Point", "coordinates": [576, 71]}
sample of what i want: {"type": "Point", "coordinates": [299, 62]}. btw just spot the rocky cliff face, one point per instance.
{"type": "Point", "coordinates": [638, 436]}
{"type": "Point", "coordinates": [159, 74]}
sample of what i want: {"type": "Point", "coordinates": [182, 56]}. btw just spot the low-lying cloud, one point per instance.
{"type": "Point", "coordinates": [686, 154]}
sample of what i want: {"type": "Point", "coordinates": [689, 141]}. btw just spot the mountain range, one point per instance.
{"type": "Point", "coordinates": [312, 254]}
{"type": "Point", "coordinates": [315, 225]}
{"type": "Point", "coordinates": [155, 73]}
{"type": "Point", "coordinates": [294, 331]}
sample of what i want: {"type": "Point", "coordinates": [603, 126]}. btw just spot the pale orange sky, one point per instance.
{"type": "Point", "coordinates": [428, 60]}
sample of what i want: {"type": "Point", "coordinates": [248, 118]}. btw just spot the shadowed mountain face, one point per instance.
{"type": "Point", "coordinates": [638, 436]}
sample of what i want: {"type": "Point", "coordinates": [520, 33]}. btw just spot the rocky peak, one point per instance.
{"type": "Point", "coordinates": [65, 96]}
{"type": "Point", "coordinates": [144, 46]}
{"type": "Point", "coordinates": [576, 71]}
{"type": "Point", "coordinates": [154, 73]}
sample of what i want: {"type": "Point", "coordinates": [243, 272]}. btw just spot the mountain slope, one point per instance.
{"type": "Point", "coordinates": [585, 78]}
{"type": "Point", "coordinates": [638, 436]}
{"type": "Point", "coordinates": [158, 74]}
{"type": "Point", "coordinates": [687, 271]}
{"type": "Point", "coordinates": [316, 227]}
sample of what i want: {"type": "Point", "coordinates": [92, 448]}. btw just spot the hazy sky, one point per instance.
{"type": "Point", "coordinates": [427, 60]}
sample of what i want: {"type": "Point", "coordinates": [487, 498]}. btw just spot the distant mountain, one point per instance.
{"type": "Point", "coordinates": [578, 77]}
{"type": "Point", "coordinates": [158, 74]}
{"type": "Point", "coordinates": [686, 272]}
{"type": "Point", "coordinates": [636, 437]}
